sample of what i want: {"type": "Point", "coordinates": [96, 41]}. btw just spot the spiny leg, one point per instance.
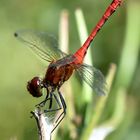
{"type": "Point", "coordinates": [60, 103]}
{"type": "Point", "coordinates": [42, 104]}
{"type": "Point", "coordinates": [50, 106]}
{"type": "Point", "coordinates": [63, 104]}
{"type": "Point", "coordinates": [59, 119]}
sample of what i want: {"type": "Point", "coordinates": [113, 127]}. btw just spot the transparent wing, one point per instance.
{"type": "Point", "coordinates": [41, 43]}
{"type": "Point", "coordinates": [94, 78]}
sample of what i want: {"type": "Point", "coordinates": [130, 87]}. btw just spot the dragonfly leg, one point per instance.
{"type": "Point", "coordinates": [50, 106]}
{"type": "Point", "coordinates": [63, 104]}
{"type": "Point", "coordinates": [42, 104]}
{"type": "Point", "coordinates": [62, 115]}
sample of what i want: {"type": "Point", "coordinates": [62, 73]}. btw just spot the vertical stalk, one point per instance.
{"type": "Point", "coordinates": [129, 56]}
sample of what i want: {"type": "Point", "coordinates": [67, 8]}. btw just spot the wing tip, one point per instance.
{"type": "Point", "coordinates": [16, 34]}
{"type": "Point", "coordinates": [101, 91]}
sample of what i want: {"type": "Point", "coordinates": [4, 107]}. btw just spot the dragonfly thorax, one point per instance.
{"type": "Point", "coordinates": [57, 73]}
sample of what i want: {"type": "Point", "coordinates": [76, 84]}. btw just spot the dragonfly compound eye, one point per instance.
{"type": "Point", "coordinates": [35, 87]}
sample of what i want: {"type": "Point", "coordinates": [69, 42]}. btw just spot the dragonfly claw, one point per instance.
{"type": "Point", "coordinates": [42, 104]}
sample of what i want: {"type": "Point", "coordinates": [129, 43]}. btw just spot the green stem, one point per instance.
{"type": "Point", "coordinates": [99, 107]}
{"type": "Point", "coordinates": [129, 56]}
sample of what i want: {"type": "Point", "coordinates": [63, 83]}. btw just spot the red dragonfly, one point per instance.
{"type": "Point", "coordinates": [61, 65]}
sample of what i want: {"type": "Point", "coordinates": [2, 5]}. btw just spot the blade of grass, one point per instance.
{"type": "Point", "coordinates": [99, 107]}
{"type": "Point", "coordinates": [129, 56]}
{"type": "Point", "coordinates": [64, 31]}
{"type": "Point", "coordinates": [83, 34]}
{"type": "Point", "coordinates": [64, 45]}
{"type": "Point", "coordinates": [123, 123]}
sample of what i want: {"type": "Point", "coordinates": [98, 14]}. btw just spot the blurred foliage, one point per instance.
{"type": "Point", "coordinates": [117, 42]}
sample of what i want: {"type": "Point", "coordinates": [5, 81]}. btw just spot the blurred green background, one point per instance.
{"type": "Point", "coordinates": [118, 42]}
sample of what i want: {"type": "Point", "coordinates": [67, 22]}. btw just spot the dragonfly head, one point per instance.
{"type": "Point", "coordinates": [35, 87]}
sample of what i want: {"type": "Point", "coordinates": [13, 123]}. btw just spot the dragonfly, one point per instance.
{"type": "Point", "coordinates": [61, 66]}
